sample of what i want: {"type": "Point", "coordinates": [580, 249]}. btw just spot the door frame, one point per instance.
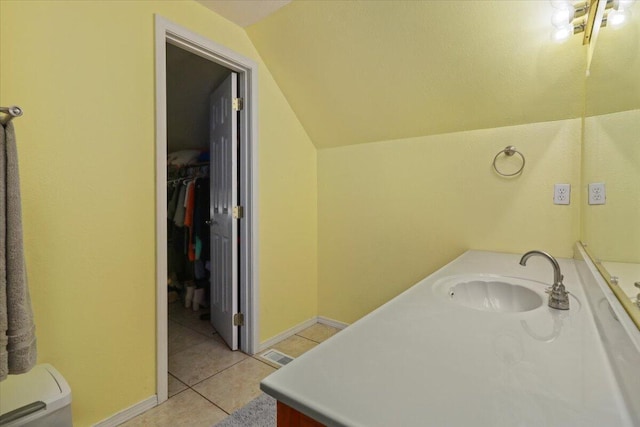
{"type": "Point", "coordinates": [247, 69]}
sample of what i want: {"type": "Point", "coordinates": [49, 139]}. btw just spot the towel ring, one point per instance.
{"type": "Point", "coordinates": [509, 151]}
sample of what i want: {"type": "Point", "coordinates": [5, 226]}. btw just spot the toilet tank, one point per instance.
{"type": "Point", "coordinates": [39, 398]}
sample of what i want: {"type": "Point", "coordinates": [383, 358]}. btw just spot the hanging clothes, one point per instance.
{"type": "Point", "coordinates": [173, 200]}
{"type": "Point", "coordinates": [187, 214]}
{"type": "Point", "coordinates": [190, 203]}
{"type": "Point", "coordinates": [178, 217]}
{"type": "Point", "coordinates": [200, 218]}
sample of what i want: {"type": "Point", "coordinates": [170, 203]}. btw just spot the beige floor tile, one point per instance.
{"type": "Point", "coordinates": [319, 332]}
{"type": "Point", "coordinates": [175, 386]}
{"type": "Point", "coordinates": [203, 327]}
{"type": "Point", "coordinates": [182, 338]}
{"type": "Point", "coordinates": [293, 346]}
{"type": "Point", "coordinates": [184, 409]}
{"type": "Point", "coordinates": [203, 360]}
{"type": "Point", "coordinates": [190, 319]}
{"type": "Point", "coordinates": [178, 311]}
{"type": "Point", "coordinates": [235, 387]}
{"type": "Point", "coordinates": [175, 308]}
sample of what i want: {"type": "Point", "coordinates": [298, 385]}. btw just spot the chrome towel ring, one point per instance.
{"type": "Point", "coordinates": [509, 151]}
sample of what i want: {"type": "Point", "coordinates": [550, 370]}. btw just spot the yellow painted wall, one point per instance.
{"type": "Point", "coordinates": [392, 212]}
{"type": "Point", "coordinates": [341, 230]}
{"type": "Point", "coordinates": [83, 71]}
{"type": "Point", "coordinates": [612, 155]}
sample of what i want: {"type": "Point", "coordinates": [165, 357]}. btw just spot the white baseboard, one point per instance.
{"type": "Point", "coordinates": [151, 402]}
{"type": "Point", "coordinates": [130, 412]}
{"type": "Point", "coordinates": [286, 334]}
{"type": "Point", "coordinates": [300, 327]}
{"type": "Point", "coordinates": [331, 322]}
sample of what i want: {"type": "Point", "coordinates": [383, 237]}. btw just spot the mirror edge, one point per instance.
{"type": "Point", "coordinates": [629, 306]}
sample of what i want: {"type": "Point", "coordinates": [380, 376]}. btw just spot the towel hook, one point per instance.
{"type": "Point", "coordinates": [509, 151]}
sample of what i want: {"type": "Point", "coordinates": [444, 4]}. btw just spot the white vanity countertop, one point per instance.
{"type": "Point", "coordinates": [420, 360]}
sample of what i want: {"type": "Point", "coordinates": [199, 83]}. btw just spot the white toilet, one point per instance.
{"type": "Point", "coordinates": [39, 398]}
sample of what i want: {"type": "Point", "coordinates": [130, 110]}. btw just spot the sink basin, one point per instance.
{"type": "Point", "coordinates": [492, 293]}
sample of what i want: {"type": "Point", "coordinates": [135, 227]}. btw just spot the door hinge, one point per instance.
{"type": "Point", "coordinates": [238, 319]}
{"type": "Point", "coordinates": [238, 212]}
{"type": "Point", "coordinates": [238, 104]}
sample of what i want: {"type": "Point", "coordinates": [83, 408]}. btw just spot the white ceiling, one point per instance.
{"type": "Point", "coordinates": [244, 12]}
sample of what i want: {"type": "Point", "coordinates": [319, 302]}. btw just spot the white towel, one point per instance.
{"type": "Point", "coordinates": [17, 331]}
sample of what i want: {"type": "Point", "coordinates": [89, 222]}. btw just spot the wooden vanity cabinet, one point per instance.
{"type": "Point", "coordinates": [289, 417]}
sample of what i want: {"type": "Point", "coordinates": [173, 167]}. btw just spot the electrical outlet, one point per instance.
{"type": "Point", "coordinates": [597, 193]}
{"type": "Point", "coordinates": [561, 194]}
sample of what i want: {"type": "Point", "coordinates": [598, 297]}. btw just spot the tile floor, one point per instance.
{"type": "Point", "coordinates": [207, 381]}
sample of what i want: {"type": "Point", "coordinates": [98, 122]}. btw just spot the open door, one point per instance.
{"type": "Point", "coordinates": [224, 196]}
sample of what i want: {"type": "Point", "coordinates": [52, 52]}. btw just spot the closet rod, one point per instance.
{"type": "Point", "coordinates": [11, 112]}
{"type": "Point", "coordinates": [185, 179]}
{"type": "Point", "coordinates": [194, 165]}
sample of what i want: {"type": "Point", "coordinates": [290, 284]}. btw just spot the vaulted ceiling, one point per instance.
{"type": "Point", "coordinates": [360, 71]}
{"type": "Point", "coordinates": [244, 12]}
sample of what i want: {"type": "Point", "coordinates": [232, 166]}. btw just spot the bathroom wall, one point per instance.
{"type": "Point", "coordinates": [341, 230]}
{"type": "Point", "coordinates": [612, 155]}
{"type": "Point", "coordinates": [83, 71]}
{"type": "Point", "coordinates": [392, 212]}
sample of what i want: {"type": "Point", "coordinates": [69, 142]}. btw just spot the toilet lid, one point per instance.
{"type": "Point", "coordinates": [43, 383]}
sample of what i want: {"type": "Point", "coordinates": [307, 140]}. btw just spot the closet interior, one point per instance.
{"type": "Point", "coordinates": [190, 81]}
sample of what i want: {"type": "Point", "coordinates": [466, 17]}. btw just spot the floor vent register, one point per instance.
{"type": "Point", "coordinates": [277, 357]}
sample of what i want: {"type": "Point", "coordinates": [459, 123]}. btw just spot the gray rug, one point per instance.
{"type": "Point", "coordinates": [260, 412]}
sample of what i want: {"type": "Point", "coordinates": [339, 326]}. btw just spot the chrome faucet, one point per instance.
{"type": "Point", "coordinates": [558, 296]}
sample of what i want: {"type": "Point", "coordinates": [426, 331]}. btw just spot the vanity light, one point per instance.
{"type": "Point", "coordinates": [621, 4]}
{"type": "Point", "coordinates": [572, 18]}
{"type": "Point", "coordinates": [617, 18]}
{"type": "Point", "coordinates": [563, 33]}
{"type": "Point", "coordinates": [566, 12]}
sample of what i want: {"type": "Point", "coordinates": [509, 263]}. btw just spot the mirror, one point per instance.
{"type": "Point", "coordinates": [611, 155]}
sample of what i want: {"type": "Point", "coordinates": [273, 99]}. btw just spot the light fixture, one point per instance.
{"type": "Point", "coordinates": [571, 18]}
{"type": "Point", "coordinates": [621, 4]}
{"type": "Point", "coordinates": [566, 13]}
{"type": "Point", "coordinates": [617, 18]}
{"type": "Point", "coordinates": [564, 32]}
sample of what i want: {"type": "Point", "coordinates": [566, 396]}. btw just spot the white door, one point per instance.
{"type": "Point", "coordinates": [224, 196]}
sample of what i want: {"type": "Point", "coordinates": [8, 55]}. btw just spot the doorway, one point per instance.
{"type": "Point", "coordinates": [173, 41]}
